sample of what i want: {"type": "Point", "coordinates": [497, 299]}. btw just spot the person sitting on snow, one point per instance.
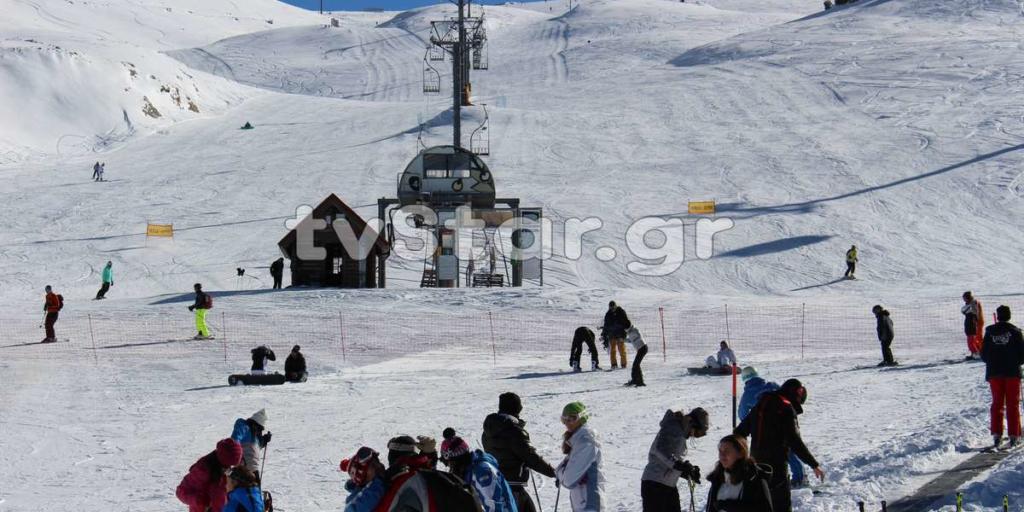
{"type": "Point", "coordinates": [725, 358]}
{"type": "Point", "coordinates": [260, 356]}
{"type": "Point", "coordinates": [366, 483]}
{"type": "Point", "coordinates": [295, 366]}
{"type": "Point", "coordinates": [478, 469]}
{"type": "Point", "coordinates": [249, 434]}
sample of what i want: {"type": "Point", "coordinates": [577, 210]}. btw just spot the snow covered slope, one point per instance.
{"type": "Point", "coordinates": [887, 124]}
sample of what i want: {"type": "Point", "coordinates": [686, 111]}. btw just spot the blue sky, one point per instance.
{"type": "Point", "coordinates": [359, 5]}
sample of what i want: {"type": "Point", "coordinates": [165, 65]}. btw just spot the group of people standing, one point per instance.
{"type": "Point", "coordinates": [97, 171]}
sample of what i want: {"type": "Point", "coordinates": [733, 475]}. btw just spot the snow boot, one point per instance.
{"type": "Point", "coordinates": [1014, 442]}
{"type": "Point", "coordinates": [576, 368]}
{"type": "Point", "coordinates": [594, 367]}
{"type": "Point", "coordinates": [996, 441]}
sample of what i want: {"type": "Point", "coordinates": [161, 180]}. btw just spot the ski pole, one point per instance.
{"type": "Point", "coordinates": [263, 463]}
{"type": "Point", "coordinates": [693, 505]}
{"type": "Point", "coordinates": [558, 495]}
{"type": "Point", "coordinates": [535, 493]}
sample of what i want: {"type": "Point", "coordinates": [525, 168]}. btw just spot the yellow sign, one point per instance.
{"type": "Point", "coordinates": [163, 230]}
{"type": "Point", "coordinates": [702, 208]}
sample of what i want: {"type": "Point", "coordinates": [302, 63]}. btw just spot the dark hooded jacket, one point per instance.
{"type": "Point", "coordinates": [505, 437]}
{"type": "Point", "coordinates": [615, 323]}
{"type": "Point", "coordinates": [884, 326]}
{"type": "Point", "coordinates": [755, 496]}
{"type": "Point", "coordinates": [774, 431]}
{"type": "Point", "coordinates": [1003, 351]}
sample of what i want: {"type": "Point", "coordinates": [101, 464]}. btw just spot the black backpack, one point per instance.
{"type": "Point", "coordinates": [451, 493]}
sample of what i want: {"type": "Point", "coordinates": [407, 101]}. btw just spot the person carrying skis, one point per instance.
{"type": "Point", "coordinates": [634, 338]}
{"type": "Point", "coordinates": [1002, 349]}
{"type": "Point", "coordinates": [506, 438]}
{"type": "Point", "coordinates": [204, 488]}
{"type": "Point", "coordinates": [581, 336]}
{"type": "Point", "coordinates": [249, 433]}
{"type": "Point", "coordinates": [851, 263]}
{"type": "Point", "coordinates": [295, 366]}
{"type": "Point", "coordinates": [51, 306]}
{"type": "Point", "coordinates": [885, 334]}
{"type": "Point", "coordinates": [613, 332]}
{"type": "Point", "coordinates": [277, 271]}
{"type": "Point", "coordinates": [666, 460]}
{"type": "Point", "coordinates": [244, 494]}
{"type": "Point", "coordinates": [202, 304]}
{"type": "Point", "coordinates": [108, 281]}
{"type": "Point", "coordinates": [478, 469]}
{"type": "Point", "coordinates": [580, 472]}
{"type": "Point", "coordinates": [366, 484]}
{"type": "Point", "coordinates": [753, 388]}
{"type": "Point", "coordinates": [260, 356]}
{"type": "Point", "coordinates": [738, 482]}
{"type": "Point", "coordinates": [974, 324]}
{"type": "Point", "coordinates": [775, 431]}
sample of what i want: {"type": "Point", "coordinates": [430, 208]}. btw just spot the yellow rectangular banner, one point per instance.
{"type": "Point", "coordinates": [702, 207]}
{"type": "Point", "coordinates": [164, 230]}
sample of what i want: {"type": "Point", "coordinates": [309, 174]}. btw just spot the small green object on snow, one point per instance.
{"type": "Point", "coordinates": [247, 126]}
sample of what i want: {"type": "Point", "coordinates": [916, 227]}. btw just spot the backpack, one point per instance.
{"type": "Point", "coordinates": [207, 301]}
{"type": "Point", "coordinates": [451, 493]}
{"type": "Point", "coordinates": [60, 302]}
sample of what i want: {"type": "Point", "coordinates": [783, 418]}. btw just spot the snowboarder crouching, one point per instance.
{"type": "Point", "coordinates": [260, 356]}
{"type": "Point", "coordinates": [581, 336]}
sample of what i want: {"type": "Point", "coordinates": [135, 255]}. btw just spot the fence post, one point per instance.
{"type": "Point", "coordinates": [341, 330]}
{"type": "Point", "coordinates": [664, 342]}
{"type": "Point", "coordinates": [224, 333]}
{"type": "Point", "coordinates": [728, 336]}
{"type": "Point", "coordinates": [803, 321]}
{"type": "Point", "coordinates": [494, 347]}
{"type": "Point", "coordinates": [95, 358]}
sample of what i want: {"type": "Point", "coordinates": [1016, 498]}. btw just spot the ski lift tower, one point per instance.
{"type": "Point", "coordinates": [464, 39]}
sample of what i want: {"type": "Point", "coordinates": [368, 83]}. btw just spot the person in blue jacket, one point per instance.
{"type": "Point", "coordinates": [254, 437]}
{"type": "Point", "coordinates": [480, 470]}
{"type": "Point", "coordinates": [753, 387]}
{"type": "Point", "coordinates": [366, 484]}
{"type": "Point", "coordinates": [244, 494]}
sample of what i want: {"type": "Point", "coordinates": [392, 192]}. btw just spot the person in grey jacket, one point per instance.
{"type": "Point", "coordinates": [666, 462]}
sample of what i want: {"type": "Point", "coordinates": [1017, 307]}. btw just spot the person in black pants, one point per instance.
{"type": "Point", "coordinates": [505, 437]}
{"type": "Point", "coordinates": [260, 356]}
{"type": "Point", "coordinates": [634, 338]}
{"type": "Point", "coordinates": [581, 336]}
{"type": "Point", "coordinates": [277, 271]}
{"type": "Point", "coordinates": [885, 334]}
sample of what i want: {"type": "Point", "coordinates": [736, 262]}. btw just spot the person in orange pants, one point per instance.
{"type": "Point", "coordinates": [1003, 352]}
{"type": "Point", "coordinates": [974, 324]}
{"type": "Point", "coordinates": [614, 333]}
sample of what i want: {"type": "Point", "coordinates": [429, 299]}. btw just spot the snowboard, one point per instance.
{"type": "Point", "coordinates": [707, 370]}
{"type": "Point", "coordinates": [65, 340]}
{"type": "Point", "coordinates": [248, 379]}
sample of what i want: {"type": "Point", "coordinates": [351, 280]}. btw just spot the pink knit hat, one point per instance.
{"type": "Point", "coordinates": [229, 452]}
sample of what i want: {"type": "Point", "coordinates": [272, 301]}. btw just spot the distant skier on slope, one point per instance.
{"type": "Point", "coordinates": [633, 337]}
{"type": "Point", "coordinates": [277, 272]}
{"type": "Point", "coordinates": [775, 432]}
{"type": "Point", "coordinates": [96, 171]}
{"type": "Point", "coordinates": [506, 438]}
{"type": "Point", "coordinates": [851, 263]}
{"type": "Point", "coordinates": [581, 336]}
{"type": "Point", "coordinates": [666, 460]}
{"type": "Point", "coordinates": [108, 281]}
{"type": "Point", "coordinates": [883, 324]}
{"type": "Point", "coordinates": [754, 386]}
{"type": "Point", "coordinates": [1003, 352]}
{"type": "Point", "coordinates": [613, 332]}
{"type": "Point", "coordinates": [202, 304]}
{"type": "Point", "coordinates": [974, 324]}
{"type": "Point", "coordinates": [52, 306]}
{"type": "Point", "coordinates": [260, 356]}
{"type": "Point", "coordinates": [251, 434]}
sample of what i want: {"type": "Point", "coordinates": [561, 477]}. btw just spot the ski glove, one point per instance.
{"type": "Point", "coordinates": [689, 471]}
{"type": "Point", "coordinates": [265, 440]}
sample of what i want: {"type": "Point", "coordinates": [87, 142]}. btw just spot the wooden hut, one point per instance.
{"type": "Point", "coordinates": [339, 268]}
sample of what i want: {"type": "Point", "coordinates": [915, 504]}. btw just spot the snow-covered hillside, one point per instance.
{"type": "Point", "coordinates": [887, 124]}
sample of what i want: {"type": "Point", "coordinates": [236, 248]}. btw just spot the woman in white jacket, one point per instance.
{"type": "Point", "coordinates": [580, 472]}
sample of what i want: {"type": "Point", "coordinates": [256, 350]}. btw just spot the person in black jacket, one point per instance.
{"type": "Point", "coordinates": [883, 324]}
{"type": "Point", "coordinates": [277, 271]}
{"type": "Point", "coordinates": [295, 366]}
{"type": "Point", "coordinates": [260, 356]}
{"type": "Point", "coordinates": [738, 482]}
{"type": "Point", "coordinates": [774, 430]}
{"type": "Point", "coordinates": [581, 336]}
{"type": "Point", "coordinates": [505, 437]}
{"type": "Point", "coordinates": [613, 332]}
{"type": "Point", "coordinates": [1002, 349]}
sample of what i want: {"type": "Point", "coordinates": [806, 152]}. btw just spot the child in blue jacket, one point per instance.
{"type": "Point", "coordinates": [480, 470]}
{"type": "Point", "coordinates": [366, 485]}
{"type": "Point", "coordinates": [244, 494]}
